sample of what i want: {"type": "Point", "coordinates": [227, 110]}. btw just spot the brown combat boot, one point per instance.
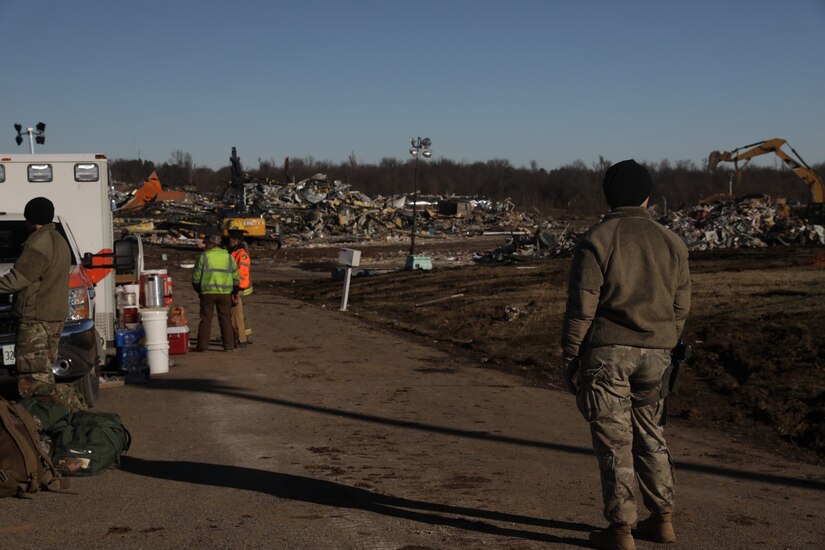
{"type": "Point", "coordinates": [658, 528]}
{"type": "Point", "coordinates": [615, 537]}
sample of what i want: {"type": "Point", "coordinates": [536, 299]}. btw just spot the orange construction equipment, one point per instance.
{"type": "Point", "coordinates": [151, 191]}
{"type": "Point", "coordinates": [797, 165]}
{"type": "Point", "coordinates": [815, 212]}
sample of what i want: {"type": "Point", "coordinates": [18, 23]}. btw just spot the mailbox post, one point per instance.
{"type": "Point", "coordinates": [350, 258]}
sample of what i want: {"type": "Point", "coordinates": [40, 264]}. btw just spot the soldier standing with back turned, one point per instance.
{"type": "Point", "coordinates": [627, 303]}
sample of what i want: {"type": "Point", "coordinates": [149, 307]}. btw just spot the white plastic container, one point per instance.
{"type": "Point", "coordinates": [154, 321]}
{"type": "Point", "coordinates": [158, 358]}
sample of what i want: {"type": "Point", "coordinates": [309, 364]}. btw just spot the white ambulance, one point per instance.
{"type": "Point", "coordinates": [79, 187]}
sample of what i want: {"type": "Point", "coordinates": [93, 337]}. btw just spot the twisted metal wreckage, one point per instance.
{"type": "Point", "coordinates": [321, 211]}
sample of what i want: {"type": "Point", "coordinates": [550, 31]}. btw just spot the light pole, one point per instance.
{"type": "Point", "coordinates": [36, 134]}
{"type": "Point", "coordinates": [419, 148]}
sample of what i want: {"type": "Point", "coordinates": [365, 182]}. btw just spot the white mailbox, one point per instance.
{"type": "Point", "coordinates": [350, 257]}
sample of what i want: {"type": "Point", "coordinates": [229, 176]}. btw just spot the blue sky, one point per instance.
{"type": "Point", "coordinates": [526, 80]}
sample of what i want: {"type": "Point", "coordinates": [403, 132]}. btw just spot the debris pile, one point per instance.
{"type": "Point", "coordinates": [316, 209]}
{"type": "Point", "coordinates": [552, 239]}
{"type": "Point", "coordinates": [746, 223]}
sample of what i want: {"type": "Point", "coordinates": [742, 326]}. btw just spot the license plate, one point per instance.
{"type": "Point", "coordinates": [8, 354]}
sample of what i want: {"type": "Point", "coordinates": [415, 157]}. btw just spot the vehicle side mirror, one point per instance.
{"type": "Point", "coordinates": [125, 256]}
{"type": "Point", "coordinates": [122, 260]}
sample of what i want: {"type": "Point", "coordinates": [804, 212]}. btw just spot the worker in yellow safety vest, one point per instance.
{"type": "Point", "coordinates": [215, 279]}
{"type": "Point", "coordinates": [239, 251]}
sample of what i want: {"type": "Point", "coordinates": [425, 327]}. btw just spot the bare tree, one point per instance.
{"type": "Point", "coordinates": [182, 159]}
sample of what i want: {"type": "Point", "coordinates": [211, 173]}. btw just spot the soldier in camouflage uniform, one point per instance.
{"type": "Point", "coordinates": [39, 281]}
{"type": "Point", "coordinates": [628, 299]}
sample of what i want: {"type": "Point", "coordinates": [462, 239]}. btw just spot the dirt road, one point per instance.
{"type": "Point", "coordinates": [329, 433]}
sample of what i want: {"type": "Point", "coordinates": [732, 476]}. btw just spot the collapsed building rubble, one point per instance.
{"type": "Point", "coordinates": [316, 208]}
{"type": "Point", "coordinates": [331, 211]}
{"type": "Point", "coordinates": [748, 222]}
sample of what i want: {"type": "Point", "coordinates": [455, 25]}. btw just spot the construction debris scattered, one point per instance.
{"type": "Point", "coordinates": [751, 222]}
{"type": "Point", "coordinates": [317, 209]}
{"type": "Point", "coordinates": [314, 209]}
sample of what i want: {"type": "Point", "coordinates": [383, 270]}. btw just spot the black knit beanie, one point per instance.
{"type": "Point", "coordinates": [627, 183]}
{"type": "Point", "coordinates": [39, 211]}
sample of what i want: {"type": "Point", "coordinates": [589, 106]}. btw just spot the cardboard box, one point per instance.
{"type": "Point", "coordinates": [178, 340]}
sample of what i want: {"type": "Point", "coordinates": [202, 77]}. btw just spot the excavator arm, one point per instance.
{"type": "Point", "coordinates": [744, 155]}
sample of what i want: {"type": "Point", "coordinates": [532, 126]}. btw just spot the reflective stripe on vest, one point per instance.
{"type": "Point", "coordinates": [243, 261]}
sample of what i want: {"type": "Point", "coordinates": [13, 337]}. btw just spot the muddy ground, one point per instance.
{"type": "Point", "coordinates": [330, 432]}
{"type": "Point", "coordinates": [756, 323]}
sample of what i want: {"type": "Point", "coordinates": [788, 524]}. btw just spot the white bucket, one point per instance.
{"type": "Point", "coordinates": [157, 343]}
{"type": "Point", "coordinates": [154, 324]}
{"type": "Point", "coordinates": [158, 358]}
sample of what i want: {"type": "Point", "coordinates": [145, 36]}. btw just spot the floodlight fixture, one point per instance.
{"type": "Point", "coordinates": [40, 134]}
{"type": "Point", "coordinates": [36, 135]}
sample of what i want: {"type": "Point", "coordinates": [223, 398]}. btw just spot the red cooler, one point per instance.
{"type": "Point", "coordinates": [178, 340]}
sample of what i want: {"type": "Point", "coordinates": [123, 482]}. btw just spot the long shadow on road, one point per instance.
{"type": "Point", "coordinates": [327, 493]}
{"type": "Point", "coordinates": [212, 386]}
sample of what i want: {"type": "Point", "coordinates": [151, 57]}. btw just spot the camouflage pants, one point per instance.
{"type": "Point", "coordinates": [36, 352]}
{"type": "Point", "coordinates": [628, 439]}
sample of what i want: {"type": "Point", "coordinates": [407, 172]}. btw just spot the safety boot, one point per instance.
{"type": "Point", "coordinates": [658, 528]}
{"type": "Point", "coordinates": [615, 537]}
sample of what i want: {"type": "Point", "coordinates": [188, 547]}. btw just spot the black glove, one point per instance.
{"type": "Point", "coordinates": [568, 372]}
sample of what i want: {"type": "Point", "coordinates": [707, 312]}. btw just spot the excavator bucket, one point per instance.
{"type": "Point", "coordinates": [714, 159]}
{"type": "Point", "coordinates": [151, 191]}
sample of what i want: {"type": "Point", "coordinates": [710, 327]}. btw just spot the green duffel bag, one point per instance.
{"type": "Point", "coordinates": [52, 413]}
{"type": "Point", "coordinates": [91, 443]}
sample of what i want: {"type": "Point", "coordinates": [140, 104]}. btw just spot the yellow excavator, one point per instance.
{"type": "Point", "coordinates": [741, 156]}
{"type": "Point", "coordinates": [239, 217]}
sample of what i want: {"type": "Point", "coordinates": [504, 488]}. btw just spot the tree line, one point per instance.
{"type": "Point", "coordinates": [574, 188]}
